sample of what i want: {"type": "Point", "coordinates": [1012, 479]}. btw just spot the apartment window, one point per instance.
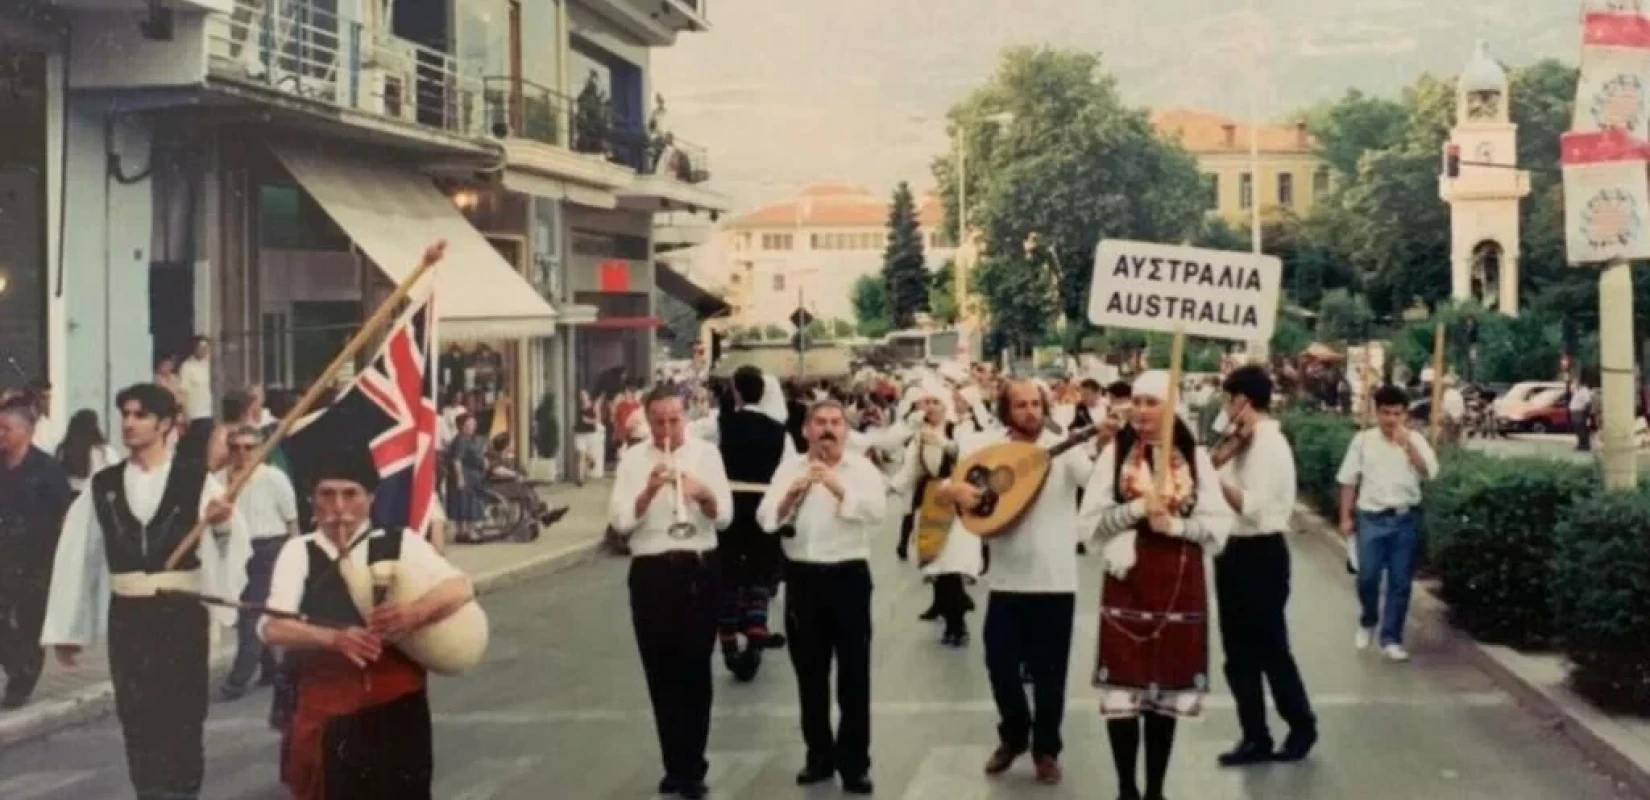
{"type": "Point", "coordinates": [1246, 190]}
{"type": "Point", "coordinates": [735, 278]}
{"type": "Point", "coordinates": [776, 241]}
{"type": "Point", "coordinates": [779, 283]}
{"type": "Point", "coordinates": [1211, 190]}
{"type": "Point", "coordinates": [813, 241]}
{"type": "Point", "coordinates": [1320, 183]}
{"type": "Point", "coordinates": [1286, 189]}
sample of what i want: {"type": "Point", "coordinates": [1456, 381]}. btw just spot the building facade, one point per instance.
{"type": "Point", "coordinates": [808, 251]}
{"type": "Point", "coordinates": [1291, 176]}
{"type": "Point", "coordinates": [264, 173]}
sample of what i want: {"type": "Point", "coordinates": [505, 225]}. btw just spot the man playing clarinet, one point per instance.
{"type": "Point", "coordinates": [835, 500]}
{"type": "Point", "coordinates": [362, 725]}
{"type": "Point", "coordinates": [111, 575]}
{"type": "Point", "coordinates": [670, 497]}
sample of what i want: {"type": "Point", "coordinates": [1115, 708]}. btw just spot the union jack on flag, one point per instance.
{"type": "Point", "coordinates": [388, 410]}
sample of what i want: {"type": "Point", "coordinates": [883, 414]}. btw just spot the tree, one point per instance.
{"type": "Point", "coordinates": [942, 291]}
{"type": "Point", "coordinates": [1347, 128]}
{"type": "Point", "coordinates": [870, 300]}
{"type": "Point", "coordinates": [904, 269]}
{"type": "Point", "coordinates": [1343, 317]}
{"type": "Point", "coordinates": [1021, 299]}
{"type": "Point", "coordinates": [1074, 166]}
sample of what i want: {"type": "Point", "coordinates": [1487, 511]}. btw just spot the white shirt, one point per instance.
{"type": "Point", "coordinates": [195, 374]}
{"type": "Point", "coordinates": [828, 530]}
{"type": "Point", "coordinates": [1454, 405]}
{"type": "Point", "coordinates": [649, 534]}
{"type": "Point", "coordinates": [267, 501]}
{"type": "Point", "coordinates": [286, 583]}
{"type": "Point", "coordinates": [1381, 470]}
{"type": "Point", "coordinates": [1039, 554]}
{"type": "Point", "coordinates": [1581, 398]}
{"type": "Point", "coordinates": [1265, 474]}
{"type": "Point", "coordinates": [77, 605]}
{"type": "Point", "coordinates": [46, 435]}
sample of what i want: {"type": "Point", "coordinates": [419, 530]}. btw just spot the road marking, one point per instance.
{"type": "Point", "coordinates": [950, 773]}
{"type": "Point", "coordinates": [732, 773]}
{"type": "Point", "coordinates": [483, 779]}
{"type": "Point", "coordinates": [40, 784]}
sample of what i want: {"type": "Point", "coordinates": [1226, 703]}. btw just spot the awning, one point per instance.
{"type": "Point", "coordinates": [392, 213]}
{"type": "Point", "coordinates": [677, 285]}
{"type": "Point", "coordinates": [625, 323]}
{"type": "Point", "coordinates": [527, 183]}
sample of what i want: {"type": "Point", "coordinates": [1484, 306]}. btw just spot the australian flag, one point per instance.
{"type": "Point", "coordinates": [388, 410]}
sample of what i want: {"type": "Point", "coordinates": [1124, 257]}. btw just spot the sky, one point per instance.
{"type": "Point", "coordinates": [786, 93]}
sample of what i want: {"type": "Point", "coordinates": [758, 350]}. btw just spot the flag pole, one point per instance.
{"type": "Point", "coordinates": [370, 328]}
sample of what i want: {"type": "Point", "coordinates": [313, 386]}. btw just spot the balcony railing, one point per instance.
{"type": "Point", "coordinates": [524, 109]}
{"type": "Point", "coordinates": [310, 51]}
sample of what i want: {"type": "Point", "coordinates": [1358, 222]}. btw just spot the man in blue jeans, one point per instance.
{"type": "Point", "coordinates": [1380, 480]}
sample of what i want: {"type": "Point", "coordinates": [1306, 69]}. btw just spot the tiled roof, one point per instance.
{"type": "Point", "coordinates": [834, 206]}
{"type": "Point", "coordinates": [1208, 132]}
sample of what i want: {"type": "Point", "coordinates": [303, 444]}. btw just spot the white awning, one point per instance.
{"type": "Point", "coordinates": [393, 213]}
{"type": "Point", "coordinates": [522, 182]}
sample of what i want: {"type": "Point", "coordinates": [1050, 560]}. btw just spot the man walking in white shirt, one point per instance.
{"type": "Point", "coordinates": [834, 500]}
{"type": "Point", "coordinates": [1252, 574]}
{"type": "Point", "coordinates": [670, 497]}
{"type": "Point", "coordinates": [270, 507]}
{"type": "Point", "coordinates": [1380, 482]}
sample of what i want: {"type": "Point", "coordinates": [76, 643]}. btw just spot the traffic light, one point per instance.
{"type": "Point", "coordinates": [1452, 161]}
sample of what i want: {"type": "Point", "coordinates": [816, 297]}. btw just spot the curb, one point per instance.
{"type": "Point", "coordinates": [94, 702]}
{"type": "Point", "coordinates": [1574, 727]}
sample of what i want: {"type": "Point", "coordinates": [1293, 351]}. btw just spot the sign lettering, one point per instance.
{"type": "Point", "coordinates": [1211, 293]}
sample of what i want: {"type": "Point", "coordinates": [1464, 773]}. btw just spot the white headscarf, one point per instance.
{"type": "Point", "coordinates": [773, 400]}
{"type": "Point", "coordinates": [1152, 384]}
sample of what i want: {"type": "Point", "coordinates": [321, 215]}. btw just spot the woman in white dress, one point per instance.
{"type": "Point", "coordinates": [929, 456]}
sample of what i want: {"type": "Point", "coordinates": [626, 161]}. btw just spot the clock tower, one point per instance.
{"type": "Point", "coordinates": [1484, 195]}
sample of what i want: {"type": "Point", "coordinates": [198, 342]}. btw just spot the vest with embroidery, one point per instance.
{"type": "Point", "coordinates": [133, 546]}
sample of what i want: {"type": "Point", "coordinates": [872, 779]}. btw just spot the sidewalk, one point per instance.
{"type": "Point", "coordinates": [1618, 744]}
{"type": "Point", "coordinates": [67, 698]}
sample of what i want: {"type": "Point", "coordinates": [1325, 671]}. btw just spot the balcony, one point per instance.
{"type": "Point", "coordinates": [307, 54]}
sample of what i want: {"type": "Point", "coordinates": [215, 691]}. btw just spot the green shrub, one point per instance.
{"type": "Point", "coordinates": [1601, 598]}
{"type": "Point", "coordinates": [1489, 540]}
{"type": "Point", "coordinates": [1320, 442]}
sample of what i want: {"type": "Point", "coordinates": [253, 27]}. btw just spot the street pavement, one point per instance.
{"type": "Point", "coordinates": [1556, 446]}
{"type": "Point", "coordinates": [559, 710]}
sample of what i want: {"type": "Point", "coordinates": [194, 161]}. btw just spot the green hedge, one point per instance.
{"type": "Point", "coordinates": [1320, 442]}
{"type": "Point", "coordinates": [1601, 598]}
{"type": "Point", "coordinates": [1490, 542]}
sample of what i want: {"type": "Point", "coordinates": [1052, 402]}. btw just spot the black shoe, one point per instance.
{"type": "Point", "coordinates": [1082, 549]}
{"type": "Point", "coordinates": [229, 692]}
{"type": "Point", "coordinates": [773, 641]}
{"type": "Point", "coordinates": [930, 615]}
{"type": "Point", "coordinates": [692, 790]}
{"type": "Point", "coordinates": [1247, 752]}
{"type": "Point", "coordinates": [1297, 744]}
{"type": "Point", "coordinates": [859, 784]}
{"type": "Point", "coordinates": [812, 775]}
{"type": "Point", "coordinates": [669, 785]}
{"type": "Point", "coordinates": [902, 553]}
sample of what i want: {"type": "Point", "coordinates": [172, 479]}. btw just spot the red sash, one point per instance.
{"type": "Point", "coordinates": [330, 686]}
{"type": "Point", "coordinates": [1154, 624]}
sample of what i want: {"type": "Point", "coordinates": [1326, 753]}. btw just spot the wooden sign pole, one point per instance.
{"type": "Point", "coordinates": [1437, 415]}
{"type": "Point", "coordinates": [1165, 433]}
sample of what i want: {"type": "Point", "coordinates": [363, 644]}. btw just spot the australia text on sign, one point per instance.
{"type": "Point", "coordinates": [1216, 294]}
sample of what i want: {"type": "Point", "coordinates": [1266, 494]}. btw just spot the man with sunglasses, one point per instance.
{"type": "Point", "coordinates": [111, 574]}
{"type": "Point", "coordinates": [270, 507]}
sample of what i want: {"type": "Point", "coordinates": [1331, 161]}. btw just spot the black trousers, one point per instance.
{"type": "Point", "coordinates": [951, 600]}
{"type": "Point", "coordinates": [383, 751]}
{"type": "Point", "coordinates": [673, 603]}
{"type": "Point", "coordinates": [1029, 631]}
{"type": "Point", "coordinates": [828, 616]}
{"type": "Point", "coordinates": [22, 612]}
{"type": "Point", "coordinates": [1252, 586]}
{"type": "Point", "coordinates": [158, 664]}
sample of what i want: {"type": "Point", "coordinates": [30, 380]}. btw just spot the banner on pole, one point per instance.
{"type": "Point", "coordinates": [1613, 92]}
{"type": "Point", "coordinates": [1606, 197]}
{"type": "Point", "coordinates": [1216, 294]}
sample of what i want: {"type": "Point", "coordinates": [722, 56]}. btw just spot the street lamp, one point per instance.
{"type": "Point", "coordinates": [1000, 119]}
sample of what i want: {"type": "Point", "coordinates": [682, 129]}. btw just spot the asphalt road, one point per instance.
{"type": "Point", "coordinates": [560, 711]}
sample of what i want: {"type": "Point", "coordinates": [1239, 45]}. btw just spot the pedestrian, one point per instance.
{"type": "Point", "coordinates": [34, 496]}
{"type": "Point", "coordinates": [468, 454]}
{"type": "Point", "coordinates": [270, 507]}
{"type": "Point", "coordinates": [362, 727]}
{"type": "Point", "coordinates": [1380, 480]}
{"type": "Point", "coordinates": [195, 378]}
{"type": "Point", "coordinates": [1033, 576]}
{"type": "Point", "coordinates": [85, 451]}
{"type": "Point", "coordinates": [1153, 659]}
{"type": "Point", "coordinates": [834, 501]}
{"type": "Point", "coordinates": [1581, 403]}
{"type": "Point", "coordinates": [109, 565]}
{"type": "Point", "coordinates": [670, 497]}
{"type": "Point", "coordinates": [47, 435]}
{"type": "Point", "coordinates": [1252, 573]}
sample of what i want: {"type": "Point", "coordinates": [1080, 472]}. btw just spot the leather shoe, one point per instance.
{"type": "Point", "coordinates": [859, 784]}
{"type": "Point", "coordinates": [1048, 771]}
{"type": "Point", "coordinates": [1247, 752]}
{"type": "Point", "coordinates": [692, 790]}
{"type": "Point", "coordinates": [669, 785]}
{"type": "Point", "coordinates": [1297, 744]}
{"type": "Point", "coordinates": [812, 775]}
{"type": "Point", "coordinates": [1002, 759]}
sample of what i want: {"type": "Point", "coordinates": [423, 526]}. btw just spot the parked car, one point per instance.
{"type": "Point", "coordinates": [1545, 411]}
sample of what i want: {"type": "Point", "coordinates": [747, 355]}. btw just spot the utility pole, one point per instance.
{"type": "Point", "coordinates": [1615, 355]}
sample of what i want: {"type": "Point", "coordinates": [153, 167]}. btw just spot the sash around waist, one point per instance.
{"type": "Point", "coordinates": [145, 584]}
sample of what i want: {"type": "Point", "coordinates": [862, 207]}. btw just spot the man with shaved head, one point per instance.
{"type": "Point", "coordinates": [1033, 582]}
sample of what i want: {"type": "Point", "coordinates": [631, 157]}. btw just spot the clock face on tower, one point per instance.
{"type": "Point", "coordinates": [1483, 106]}
{"type": "Point", "coordinates": [1485, 153]}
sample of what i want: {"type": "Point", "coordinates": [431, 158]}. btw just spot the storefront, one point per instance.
{"type": "Point", "coordinates": [30, 148]}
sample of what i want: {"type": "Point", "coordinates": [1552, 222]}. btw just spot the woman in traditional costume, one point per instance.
{"type": "Point", "coordinates": [1153, 652]}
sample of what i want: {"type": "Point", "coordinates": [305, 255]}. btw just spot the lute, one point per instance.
{"type": "Point", "coordinates": [1009, 476]}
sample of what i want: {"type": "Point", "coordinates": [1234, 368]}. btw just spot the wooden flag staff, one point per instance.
{"type": "Point", "coordinates": [1437, 414]}
{"type": "Point", "coordinates": [1166, 425]}
{"type": "Point", "coordinates": [386, 311]}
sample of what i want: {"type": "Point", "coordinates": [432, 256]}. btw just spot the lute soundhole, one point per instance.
{"type": "Point", "coordinates": [984, 479]}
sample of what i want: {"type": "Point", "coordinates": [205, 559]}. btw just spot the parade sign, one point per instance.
{"type": "Point", "coordinates": [1216, 294]}
{"type": "Point", "coordinates": [1613, 92]}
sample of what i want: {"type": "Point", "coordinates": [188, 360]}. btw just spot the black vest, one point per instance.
{"type": "Point", "coordinates": [752, 445]}
{"type": "Point", "coordinates": [948, 462]}
{"type": "Point", "coordinates": [326, 596]}
{"type": "Point", "coordinates": [132, 546]}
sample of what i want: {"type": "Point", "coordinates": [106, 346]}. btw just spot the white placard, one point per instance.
{"type": "Point", "coordinates": [1216, 294]}
{"type": "Point", "coordinates": [1605, 208]}
{"type": "Point", "coordinates": [1613, 91]}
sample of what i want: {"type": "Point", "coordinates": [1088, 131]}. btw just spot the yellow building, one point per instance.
{"type": "Point", "coordinates": [1292, 177]}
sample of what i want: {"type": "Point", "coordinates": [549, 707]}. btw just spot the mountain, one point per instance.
{"type": "Point", "coordinates": [795, 92]}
